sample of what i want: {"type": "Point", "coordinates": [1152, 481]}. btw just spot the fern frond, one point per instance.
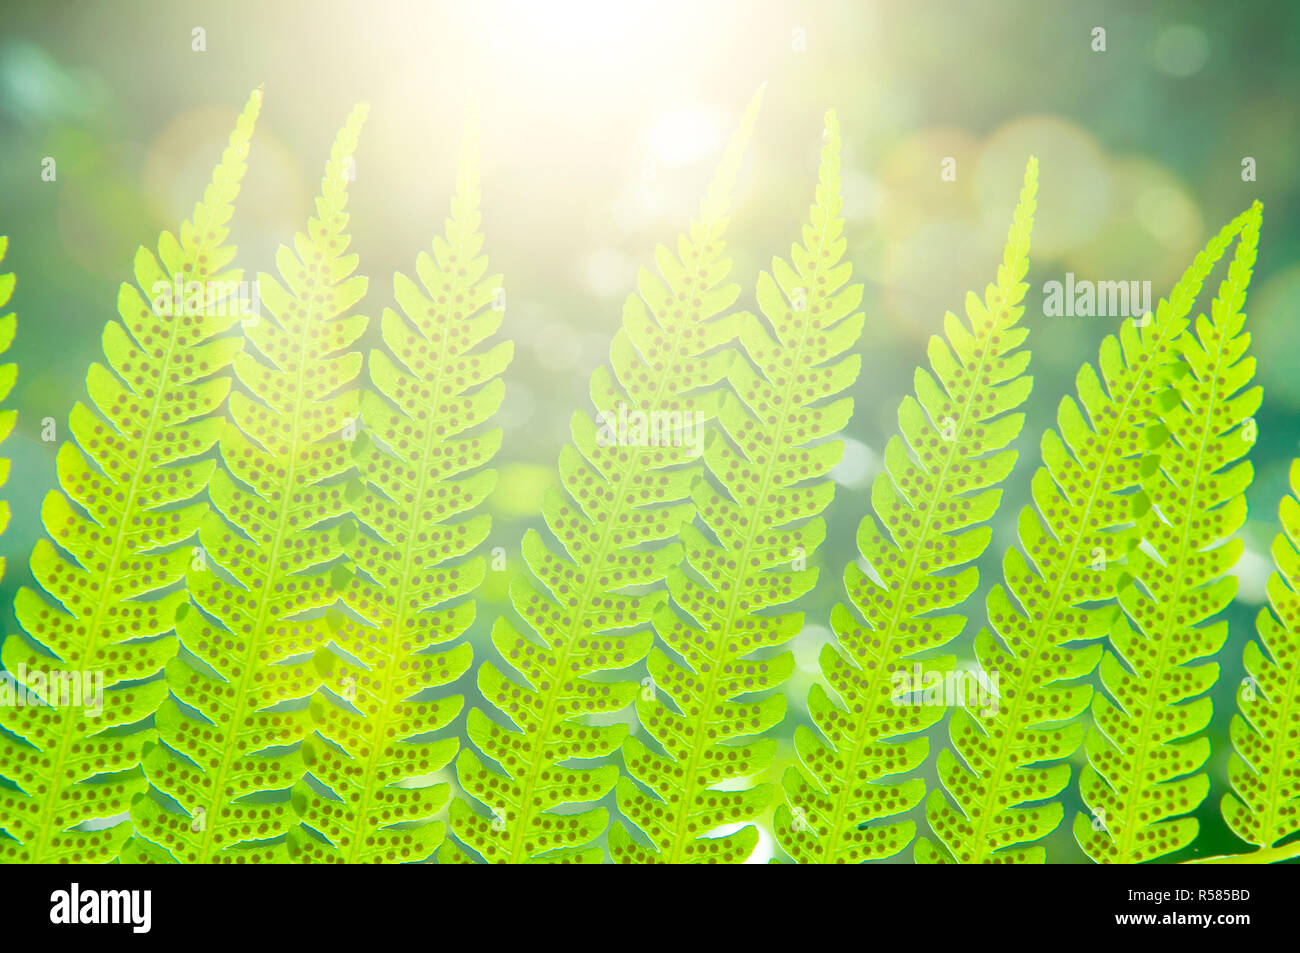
{"type": "Point", "coordinates": [263, 565]}
{"type": "Point", "coordinates": [772, 471]}
{"type": "Point", "coordinates": [433, 386]}
{"type": "Point", "coordinates": [939, 484]}
{"type": "Point", "coordinates": [112, 560]}
{"type": "Point", "coordinates": [1076, 532]}
{"type": "Point", "coordinates": [1264, 770]}
{"type": "Point", "coordinates": [623, 496]}
{"type": "Point", "coordinates": [1142, 774]}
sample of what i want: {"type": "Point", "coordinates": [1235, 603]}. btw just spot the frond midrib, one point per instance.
{"type": "Point", "coordinates": [874, 680]}
{"type": "Point", "coordinates": [382, 713]}
{"type": "Point", "coordinates": [622, 498]}
{"type": "Point", "coordinates": [242, 693]}
{"type": "Point", "coordinates": [1032, 657]}
{"type": "Point", "coordinates": [1161, 637]}
{"type": "Point", "coordinates": [53, 797]}
{"type": "Point", "coordinates": [742, 564]}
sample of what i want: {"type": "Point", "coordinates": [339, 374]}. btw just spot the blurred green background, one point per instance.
{"type": "Point", "coordinates": [600, 126]}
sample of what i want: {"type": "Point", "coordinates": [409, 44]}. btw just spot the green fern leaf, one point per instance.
{"type": "Point", "coordinates": [119, 522]}
{"type": "Point", "coordinates": [1077, 532]}
{"type": "Point", "coordinates": [773, 472]}
{"type": "Point", "coordinates": [625, 495]}
{"type": "Point", "coordinates": [1142, 771]}
{"type": "Point", "coordinates": [1264, 770]}
{"type": "Point", "coordinates": [283, 455]}
{"type": "Point", "coordinates": [433, 387]}
{"type": "Point", "coordinates": [940, 484]}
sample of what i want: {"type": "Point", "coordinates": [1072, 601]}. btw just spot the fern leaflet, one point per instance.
{"type": "Point", "coordinates": [116, 525]}
{"type": "Point", "coordinates": [627, 492]}
{"type": "Point", "coordinates": [929, 500]}
{"type": "Point", "coordinates": [1076, 532]}
{"type": "Point", "coordinates": [283, 454]}
{"type": "Point", "coordinates": [773, 472]}
{"type": "Point", "coordinates": [1142, 771]}
{"type": "Point", "coordinates": [432, 386]}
